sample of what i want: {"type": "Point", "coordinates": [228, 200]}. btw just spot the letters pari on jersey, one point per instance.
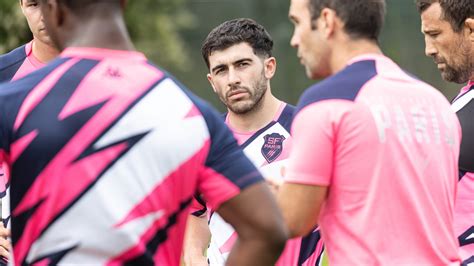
{"type": "Point", "coordinates": [272, 146]}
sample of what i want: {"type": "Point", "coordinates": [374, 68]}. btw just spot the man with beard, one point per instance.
{"type": "Point", "coordinates": [238, 54]}
{"type": "Point", "coordinates": [448, 27]}
{"type": "Point", "coordinates": [375, 151]}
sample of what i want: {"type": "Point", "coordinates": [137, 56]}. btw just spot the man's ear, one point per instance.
{"type": "Point", "coordinates": [61, 10]}
{"type": "Point", "coordinates": [21, 6]}
{"type": "Point", "coordinates": [469, 24]}
{"type": "Point", "coordinates": [270, 67]}
{"type": "Point", "coordinates": [209, 78]}
{"type": "Point", "coordinates": [328, 22]}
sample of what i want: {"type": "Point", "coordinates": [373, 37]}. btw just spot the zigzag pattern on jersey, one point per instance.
{"type": "Point", "coordinates": [61, 99]}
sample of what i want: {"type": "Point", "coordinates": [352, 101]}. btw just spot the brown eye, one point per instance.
{"type": "Point", "coordinates": [219, 71]}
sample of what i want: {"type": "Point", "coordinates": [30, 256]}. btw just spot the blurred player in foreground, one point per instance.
{"type": "Point", "coordinates": [238, 54]}
{"type": "Point", "coordinates": [106, 151]}
{"type": "Point", "coordinates": [448, 27]}
{"type": "Point", "coordinates": [375, 151]}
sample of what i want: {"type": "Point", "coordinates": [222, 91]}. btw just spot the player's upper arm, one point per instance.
{"type": "Point", "coordinates": [310, 167]}
{"type": "Point", "coordinates": [301, 205]}
{"type": "Point", "coordinates": [254, 214]}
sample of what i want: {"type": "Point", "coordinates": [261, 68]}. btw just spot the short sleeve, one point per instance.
{"type": "Point", "coordinates": [312, 157]}
{"type": "Point", "coordinates": [227, 171]}
{"type": "Point", "coordinates": [198, 206]}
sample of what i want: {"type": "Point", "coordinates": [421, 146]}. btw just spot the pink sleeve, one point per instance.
{"type": "Point", "coordinates": [3, 174]}
{"type": "Point", "coordinates": [312, 157]}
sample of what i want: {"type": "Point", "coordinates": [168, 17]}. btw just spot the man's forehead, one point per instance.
{"type": "Point", "coordinates": [299, 5]}
{"type": "Point", "coordinates": [298, 8]}
{"type": "Point", "coordinates": [432, 15]}
{"type": "Point", "coordinates": [231, 54]}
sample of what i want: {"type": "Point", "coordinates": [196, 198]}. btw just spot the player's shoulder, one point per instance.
{"type": "Point", "coordinates": [286, 117]}
{"type": "Point", "coordinates": [24, 85]}
{"type": "Point", "coordinates": [14, 56]}
{"type": "Point", "coordinates": [206, 110]}
{"type": "Point", "coordinates": [344, 85]}
{"type": "Point", "coordinates": [11, 62]}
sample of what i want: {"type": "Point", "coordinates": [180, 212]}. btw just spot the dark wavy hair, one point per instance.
{"type": "Point", "coordinates": [362, 18]}
{"type": "Point", "coordinates": [234, 32]}
{"type": "Point", "coordinates": [454, 11]}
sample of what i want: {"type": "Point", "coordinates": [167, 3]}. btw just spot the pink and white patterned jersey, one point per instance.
{"type": "Point", "coordinates": [268, 148]}
{"type": "Point", "coordinates": [387, 147]}
{"type": "Point", "coordinates": [14, 65]}
{"type": "Point", "coordinates": [463, 105]}
{"type": "Point", "coordinates": [105, 152]}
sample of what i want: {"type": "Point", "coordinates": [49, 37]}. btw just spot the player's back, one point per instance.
{"type": "Point", "coordinates": [394, 178]}
{"type": "Point", "coordinates": [105, 155]}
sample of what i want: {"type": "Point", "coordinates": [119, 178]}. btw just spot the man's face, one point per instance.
{"type": "Point", "coordinates": [239, 77]}
{"type": "Point", "coordinates": [312, 50]}
{"type": "Point", "coordinates": [32, 11]}
{"type": "Point", "coordinates": [451, 51]}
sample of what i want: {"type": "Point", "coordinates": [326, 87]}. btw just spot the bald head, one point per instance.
{"type": "Point", "coordinates": [86, 23]}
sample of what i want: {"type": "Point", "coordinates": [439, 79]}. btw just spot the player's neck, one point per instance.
{"type": "Point", "coordinates": [102, 33]}
{"type": "Point", "coordinates": [258, 117]}
{"type": "Point", "coordinates": [350, 49]}
{"type": "Point", "coordinates": [43, 52]}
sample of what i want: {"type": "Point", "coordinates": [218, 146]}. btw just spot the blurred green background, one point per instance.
{"type": "Point", "coordinates": [170, 33]}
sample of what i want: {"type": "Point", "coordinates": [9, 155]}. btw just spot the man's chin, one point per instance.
{"type": "Point", "coordinates": [451, 77]}
{"type": "Point", "coordinates": [240, 108]}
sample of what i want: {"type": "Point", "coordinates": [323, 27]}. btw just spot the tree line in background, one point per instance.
{"type": "Point", "coordinates": [170, 33]}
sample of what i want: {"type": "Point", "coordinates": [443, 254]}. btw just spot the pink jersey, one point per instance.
{"type": "Point", "coordinates": [105, 153]}
{"type": "Point", "coordinates": [387, 147]}
{"type": "Point", "coordinates": [463, 105]}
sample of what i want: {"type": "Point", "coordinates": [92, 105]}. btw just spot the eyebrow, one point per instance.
{"type": "Point", "coordinates": [242, 61]}
{"type": "Point", "coordinates": [292, 18]}
{"type": "Point", "coordinates": [220, 66]}
{"type": "Point", "coordinates": [217, 67]}
{"type": "Point", "coordinates": [429, 30]}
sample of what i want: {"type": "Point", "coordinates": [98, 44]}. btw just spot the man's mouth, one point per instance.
{"type": "Point", "coordinates": [236, 93]}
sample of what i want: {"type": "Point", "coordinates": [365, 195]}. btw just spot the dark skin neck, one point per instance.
{"type": "Point", "coordinates": [100, 28]}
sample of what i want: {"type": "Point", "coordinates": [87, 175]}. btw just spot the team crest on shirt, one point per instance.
{"type": "Point", "coordinates": [272, 146]}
